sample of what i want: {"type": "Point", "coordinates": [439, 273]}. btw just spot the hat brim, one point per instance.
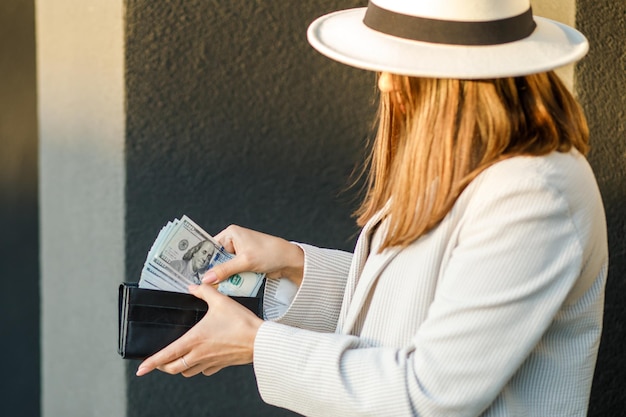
{"type": "Point", "coordinates": [344, 37]}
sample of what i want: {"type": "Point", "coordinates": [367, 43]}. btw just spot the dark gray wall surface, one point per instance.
{"type": "Point", "coordinates": [233, 118]}
{"type": "Point", "coordinates": [19, 255]}
{"type": "Point", "coordinates": [602, 87]}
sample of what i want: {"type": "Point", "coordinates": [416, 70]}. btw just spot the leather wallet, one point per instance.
{"type": "Point", "coordinates": [149, 319]}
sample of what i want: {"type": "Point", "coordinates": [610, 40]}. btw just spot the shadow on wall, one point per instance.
{"type": "Point", "coordinates": [19, 243]}
{"type": "Point", "coordinates": [601, 84]}
{"type": "Point", "coordinates": [607, 397]}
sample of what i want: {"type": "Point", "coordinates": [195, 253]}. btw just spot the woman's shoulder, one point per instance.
{"type": "Point", "coordinates": [565, 173]}
{"type": "Point", "coordinates": [563, 179]}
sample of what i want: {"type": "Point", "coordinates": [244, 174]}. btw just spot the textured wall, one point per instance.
{"type": "Point", "coordinates": [233, 118]}
{"type": "Point", "coordinates": [19, 266]}
{"type": "Point", "coordinates": [601, 84]}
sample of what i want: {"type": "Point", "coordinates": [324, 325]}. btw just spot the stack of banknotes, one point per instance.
{"type": "Point", "coordinates": [182, 253]}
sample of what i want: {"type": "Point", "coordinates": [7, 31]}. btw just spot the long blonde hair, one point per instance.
{"type": "Point", "coordinates": [434, 136]}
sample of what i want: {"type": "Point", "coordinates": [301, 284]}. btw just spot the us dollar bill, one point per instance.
{"type": "Point", "coordinates": [183, 252]}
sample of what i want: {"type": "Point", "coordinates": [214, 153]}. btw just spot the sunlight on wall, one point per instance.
{"type": "Point", "coordinates": [80, 74]}
{"type": "Point", "coordinates": [563, 11]}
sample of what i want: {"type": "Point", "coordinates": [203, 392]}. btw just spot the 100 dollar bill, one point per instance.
{"type": "Point", "coordinates": [183, 252]}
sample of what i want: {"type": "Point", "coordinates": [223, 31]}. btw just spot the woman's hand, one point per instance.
{"type": "Point", "coordinates": [224, 337]}
{"type": "Point", "coordinates": [257, 252]}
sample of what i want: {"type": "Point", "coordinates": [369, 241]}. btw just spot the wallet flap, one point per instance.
{"type": "Point", "coordinates": [164, 299]}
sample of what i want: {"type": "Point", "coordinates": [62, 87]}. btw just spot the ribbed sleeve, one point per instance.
{"type": "Point", "coordinates": [317, 303]}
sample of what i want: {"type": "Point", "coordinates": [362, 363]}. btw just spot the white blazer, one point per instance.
{"type": "Point", "coordinates": [495, 312]}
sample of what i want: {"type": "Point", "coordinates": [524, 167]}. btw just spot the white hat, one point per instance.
{"type": "Point", "coordinates": [469, 39]}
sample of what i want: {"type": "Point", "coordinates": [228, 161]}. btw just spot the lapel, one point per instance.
{"type": "Point", "coordinates": [364, 271]}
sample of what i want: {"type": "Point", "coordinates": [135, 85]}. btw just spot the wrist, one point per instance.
{"type": "Point", "coordinates": [294, 270]}
{"type": "Point", "coordinates": [252, 330]}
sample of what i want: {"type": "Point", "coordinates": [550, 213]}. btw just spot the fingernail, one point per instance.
{"type": "Point", "coordinates": [141, 371]}
{"type": "Point", "coordinates": [209, 278]}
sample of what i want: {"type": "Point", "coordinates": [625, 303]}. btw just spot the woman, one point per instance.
{"type": "Point", "coordinates": [476, 286]}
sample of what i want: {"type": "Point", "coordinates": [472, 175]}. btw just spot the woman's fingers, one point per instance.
{"type": "Point", "coordinates": [177, 366]}
{"type": "Point", "coordinates": [168, 360]}
{"type": "Point", "coordinates": [227, 237]}
{"type": "Point", "coordinates": [223, 271]}
{"type": "Point", "coordinates": [184, 365]}
{"type": "Point", "coordinates": [205, 292]}
{"type": "Point", "coordinates": [193, 371]}
{"type": "Point", "coordinates": [257, 252]}
{"type": "Point", "coordinates": [211, 371]}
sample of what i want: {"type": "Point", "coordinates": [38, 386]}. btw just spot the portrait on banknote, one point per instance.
{"type": "Point", "coordinates": [195, 261]}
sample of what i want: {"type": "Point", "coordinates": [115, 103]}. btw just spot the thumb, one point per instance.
{"type": "Point", "coordinates": [223, 271]}
{"type": "Point", "coordinates": [204, 292]}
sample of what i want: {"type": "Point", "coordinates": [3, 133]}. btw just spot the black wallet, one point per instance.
{"type": "Point", "coordinates": [149, 319]}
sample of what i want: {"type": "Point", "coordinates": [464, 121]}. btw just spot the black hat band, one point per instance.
{"type": "Point", "coordinates": [492, 32]}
